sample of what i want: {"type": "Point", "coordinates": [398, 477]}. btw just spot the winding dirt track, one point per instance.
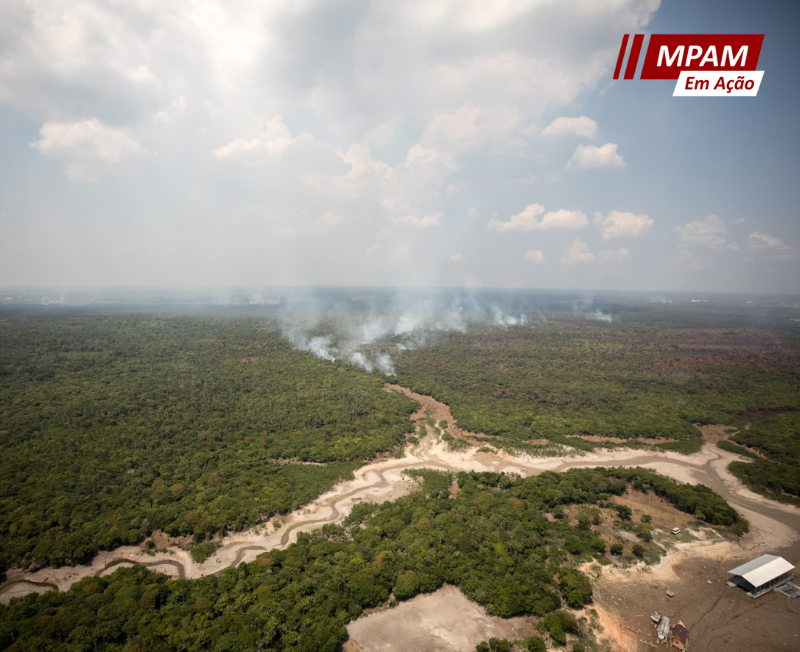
{"type": "Point", "coordinates": [384, 480]}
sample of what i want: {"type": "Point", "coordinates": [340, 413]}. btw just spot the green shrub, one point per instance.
{"type": "Point", "coordinates": [558, 624]}
{"type": "Point", "coordinates": [739, 450]}
{"type": "Point", "coordinates": [535, 644]}
{"type": "Point", "coordinates": [202, 551]}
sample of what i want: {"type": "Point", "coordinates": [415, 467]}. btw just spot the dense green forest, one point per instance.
{"type": "Point", "coordinates": [112, 426]}
{"type": "Point", "coordinates": [559, 378]}
{"type": "Point", "coordinates": [493, 539]}
{"type": "Point", "coordinates": [778, 439]}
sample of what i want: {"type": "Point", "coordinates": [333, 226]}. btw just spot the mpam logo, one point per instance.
{"type": "Point", "coordinates": [716, 65]}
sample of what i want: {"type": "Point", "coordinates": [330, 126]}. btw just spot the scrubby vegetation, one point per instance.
{"type": "Point", "coordinates": [493, 539]}
{"type": "Point", "coordinates": [554, 627]}
{"type": "Point", "coordinates": [734, 448]}
{"type": "Point", "coordinates": [532, 644]}
{"type": "Point", "coordinates": [112, 426]}
{"type": "Point", "coordinates": [698, 500]}
{"type": "Point", "coordinates": [204, 550]}
{"type": "Point", "coordinates": [630, 380]}
{"type": "Point", "coordinates": [778, 439]}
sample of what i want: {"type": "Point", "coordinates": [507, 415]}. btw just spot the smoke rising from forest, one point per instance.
{"type": "Point", "coordinates": [366, 331]}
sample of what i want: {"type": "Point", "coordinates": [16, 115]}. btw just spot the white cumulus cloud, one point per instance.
{"type": "Point", "coordinates": [527, 220]}
{"type": "Point", "coordinates": [273, 113]}
{"type": "Point", "coordinates": [85, 146]}
{"type": "Point", "coordinates": [621, 225]}
{"type": "Point", "coordinates": [535, 257]}
{"type": "Point", "coordinates": [471, 127]}
{"type": "Point", "coordinates": [771, 248]}
{"type": "Point", "coordinates": [581, 126]}
{"type": "Point", "coordinates": [275, 137]}
{"type": "Point", "coordinates": [578, 254]}
{"type": "Point", "coordinates": [708, 233]}
{"type": "Point", "coordinates": [589, 157]}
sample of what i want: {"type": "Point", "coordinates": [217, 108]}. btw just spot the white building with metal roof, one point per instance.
{"type": "Point", "coordinates": [761, 574]}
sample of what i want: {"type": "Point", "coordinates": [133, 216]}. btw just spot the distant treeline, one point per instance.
{"type": "Point", "coordinates": [556, 379]}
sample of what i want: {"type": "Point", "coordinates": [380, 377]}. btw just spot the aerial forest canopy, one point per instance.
{"type": "Point", "coordinates": [116, 424]}
{"type": "Point", "coordinates": [773, 443]}
{"type": "Point", "coordinates": [500, 540]}
{"type": "Point", "coordinates": [112, 426]}
{"type": "Point", "coordinates": [626, 380]}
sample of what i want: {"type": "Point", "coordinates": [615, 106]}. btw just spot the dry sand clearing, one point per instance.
{"type": "Point", "coordinates": [442, 621]}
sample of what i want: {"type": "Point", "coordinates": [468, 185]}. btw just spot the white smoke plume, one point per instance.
{"type": "Point", "coordinates": [360, 360]}
{"type": "Point", "coordinates": [598, 315]}
{"type": "Point", "coordinates": [385, 364]}
{"type": "Point", "coordinates": [367, 327]}
{"type": "Point", "coordinates": [320, 346]}
{"type": "Point", "coordinates": [502, 319]}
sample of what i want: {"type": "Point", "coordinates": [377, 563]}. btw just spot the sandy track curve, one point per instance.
{"type": "Point", "coordinates": [385, 480]}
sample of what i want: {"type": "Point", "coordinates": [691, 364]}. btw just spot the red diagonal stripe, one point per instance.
{"type": "Point", "coordinates": [621, 56]}
{"type": "Point", "coordinates": [633, 58]}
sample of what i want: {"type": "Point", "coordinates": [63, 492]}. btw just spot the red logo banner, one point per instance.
{"type": "Point", "coordinates": [667, 55]}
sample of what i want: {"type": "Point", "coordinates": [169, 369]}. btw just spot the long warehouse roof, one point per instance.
{"type": "Point", "coordinates": [762, 569]}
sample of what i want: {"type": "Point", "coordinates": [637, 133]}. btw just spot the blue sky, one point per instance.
{"type": "Point", "coordinates": [478, 144]}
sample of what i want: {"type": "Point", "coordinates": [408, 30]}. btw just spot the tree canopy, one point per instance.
{"type": "Point", "coordinates": [112, 426]}
{"type": "Point", "coordinates": [493, 539]}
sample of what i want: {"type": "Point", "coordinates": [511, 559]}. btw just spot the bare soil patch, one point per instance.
{"type": "Point", "coordinates": [620, 636]}
{"type": "Point", "coordinates": [443, 621]}
{"type": "Point", "coordinates": [665, 516]}
{"type": "Point", "coordinates": [717, 616]}
{"type": "Point", "coordinates": [714, 433]}
{"type": "Point", "coordinates": [430, 408]}
{"type": "Point", "coordinates": [162, 540]}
